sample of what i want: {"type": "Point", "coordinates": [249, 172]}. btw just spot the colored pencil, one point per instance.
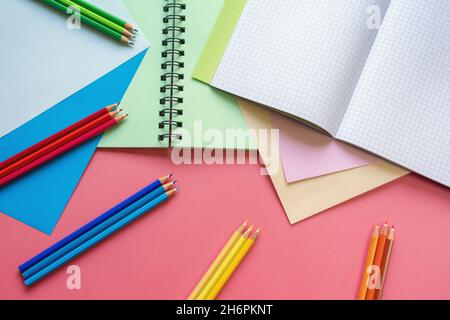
{"type": "Point", "coordinates": [203, 295]}
{"type": "Point", "coordinates": [378, 259]}
{"type": "Point", "coordinates": [369, 262]}
{"type": "Point", "coordinates": [58, 143]}
{"type": "Point", "coordinates": [57, 136]}
{"type": "Point", "coordinates": [97, 18]}
{"type": "Point", "coordinates": [90, 22]}
{"type": "Point", "coordinates": [385, 263]}
{"type": "Point", "coordinates": [96, 230]}
{"type": "Point", "coordinates": [105, 216]}
{"type": "Point", "coordinates": [99, 237]}
{"type": "Point", "coordinates": [233, 266]}
{"type": "Point", "coordinates": [106, 15]}
{"type": "Point", "coordinates": [212, 269]}
{"type": "Point", "coordinates": [55, 153]}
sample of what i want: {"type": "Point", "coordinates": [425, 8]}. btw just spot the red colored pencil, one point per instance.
{"type": "Point", "coordinates": [58, 143]}
{"type": "Point", "coordinates": [55, 153]}
{"type": "Point", "coordinates": [56, 136]}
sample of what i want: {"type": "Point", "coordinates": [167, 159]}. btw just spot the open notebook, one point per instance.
{"type": "Point", "coordinates": [383, 89]}
{"type": "Point", "coordinates": [166, 105]}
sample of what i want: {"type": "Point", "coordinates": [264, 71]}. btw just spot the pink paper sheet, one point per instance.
{"type": "Point", "coordinates": [306, 153]}
{"type": "Point", "coordinates": [164, 254]}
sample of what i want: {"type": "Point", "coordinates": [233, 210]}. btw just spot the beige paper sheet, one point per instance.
{"type": "Point", "coordinates": [304, 199]}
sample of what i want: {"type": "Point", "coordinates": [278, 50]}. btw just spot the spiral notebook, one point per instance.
{"type": "Point", "coordinates": [167, 107]}
{"type": "Point", "coordinates": [379, 84]}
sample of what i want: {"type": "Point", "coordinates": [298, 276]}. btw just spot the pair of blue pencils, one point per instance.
{"type": "Point", "coordinates": [98, 229]}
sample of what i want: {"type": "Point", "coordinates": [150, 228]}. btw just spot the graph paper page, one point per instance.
{"type": "Point", "coordinates": [401, 106]}
{"type": "Point", "coordinates": [303, 57]}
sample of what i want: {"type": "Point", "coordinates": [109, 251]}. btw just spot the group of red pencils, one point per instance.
{"type": "Point", "coordinates": [377, 263]}
{"type": "Point", "coordinates": [59, 143]}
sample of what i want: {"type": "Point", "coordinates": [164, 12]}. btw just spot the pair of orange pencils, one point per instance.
{"type": "Point", "coordinates": [377, 263]}
{"type": "Point", "coordinates": [59, 143]}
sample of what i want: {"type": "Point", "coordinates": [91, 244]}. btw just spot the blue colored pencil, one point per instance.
{"type": "Point", "coordinates": [135, 197]}
{"type": "Point", "coordinates": [99, 237]}
{"type": "Point", "coordinates": [99, 228]}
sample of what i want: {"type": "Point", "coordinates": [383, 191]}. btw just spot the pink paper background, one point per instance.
{"type": "Point", "coordinates": [164, 254]}
{"type": "Point", "coordinates": [307, 153]}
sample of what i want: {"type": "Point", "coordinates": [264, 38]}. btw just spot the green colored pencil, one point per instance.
{"type": "Point", "coordinates": [106, 15]}
{"type": "Point", "coordinates": [93, 24]}
{"type": "Point", "coordinates": [107, 23]}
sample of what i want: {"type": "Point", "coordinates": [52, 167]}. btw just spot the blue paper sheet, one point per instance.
{"type": "Point", "coordinates": [39, 198]}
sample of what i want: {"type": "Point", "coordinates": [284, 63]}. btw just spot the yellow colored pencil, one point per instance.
{"type": "Point", "coordinates": [224, 265]}
{"type": "Point", "coordinates": [369, 262]}
{"type": "Point", "coordinates": [207, 276]}
{"type": "Point", "coordinates": [233, 266]}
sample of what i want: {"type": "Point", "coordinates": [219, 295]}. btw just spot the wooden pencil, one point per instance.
{"type": "Point", "coordinates": [203, 295]}
{"type": "Point", "coordinates": [55, 153]}
{"type": "Point", "coordinates": [94, 223]}
{"type": "Point", "coordinates": [98, 18]}
{"type": "Point", "coordinates": [385, 263]}
{"type": "Point", "coordinates": [369, 261]}
{"type": "Point", "coordinates": [90, 22]}
{"type": "Point", "coordinates": [106, 15]}
{"type": "Point", "coordinates": [57, 135]}
{"type": "Point", "coordinates": [212, 269]}
{"type": "Point", "coordinates": [100, 237]}
{"type": "Point", "coordinates": [58, 143]}
{"type": "Point", "coordinates": [378, 259]}
{"type": "Point", "coordinates": [233, 266]}
{"type": "Point", "coordinates": [68, 247]}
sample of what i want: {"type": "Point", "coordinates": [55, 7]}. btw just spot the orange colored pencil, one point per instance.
{"type": "Point", "coordinates": [385, 263]}
{"type": "Point", "coordinates": [369, 261]}
{"type": "Point", "coordinates": [378, 260]}
{"type": "Point", "coordinates": [58, 143]}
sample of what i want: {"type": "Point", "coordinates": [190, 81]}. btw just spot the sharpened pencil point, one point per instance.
{"type": "Point", "coordinates": [174, 181]}
{"type": "Point", "coordinates": [131, 44]}
{"type": "Point", "coordinates": [169, 175]}
{"type": "Point", "coordinates": [255, 234]}
{"type": "Point", "coordinates": [247, 233]}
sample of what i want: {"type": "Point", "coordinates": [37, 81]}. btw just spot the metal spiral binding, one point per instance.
{"type": "Point", "coordinates": [172, 69]}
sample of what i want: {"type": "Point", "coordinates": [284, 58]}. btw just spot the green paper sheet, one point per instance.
{"type": "Point", "coordinates": [214, 108]}
{"type": "Point", "coordinates": [218, 40]}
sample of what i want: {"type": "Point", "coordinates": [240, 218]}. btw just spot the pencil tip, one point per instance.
{"type": "Point", "coordinates": [170, 175]}
{"type": "Point", "coordinates": [174, 181]}
{"type": "Point", "coordinates": [256, 233]}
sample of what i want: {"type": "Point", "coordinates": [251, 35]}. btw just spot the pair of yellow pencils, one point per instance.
{"type": "Point", "coordinates": [225, 264]}
{"type": "Point", "coordinates": [377, 262]}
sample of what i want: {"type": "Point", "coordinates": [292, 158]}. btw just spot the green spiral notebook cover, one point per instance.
{"type": "Point", "coordinates": [201, 109]}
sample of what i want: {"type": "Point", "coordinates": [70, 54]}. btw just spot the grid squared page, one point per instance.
{"type": "Point", "coordinates": [401, 106]}
{"type": "Point", "coordinates": [303, 57]}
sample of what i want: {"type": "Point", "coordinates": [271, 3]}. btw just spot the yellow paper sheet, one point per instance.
{"type": "Point", "coordinates": [304, 199]}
